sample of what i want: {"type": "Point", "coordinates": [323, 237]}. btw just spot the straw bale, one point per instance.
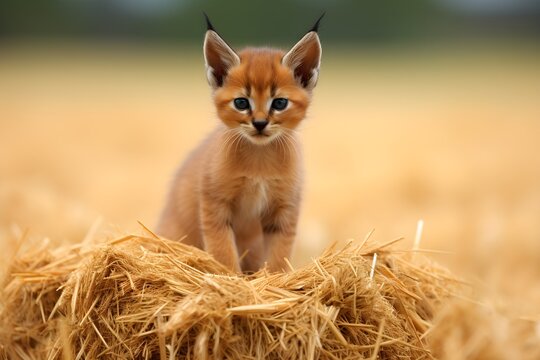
{"type": "Point", "coordinates": [151, 298]}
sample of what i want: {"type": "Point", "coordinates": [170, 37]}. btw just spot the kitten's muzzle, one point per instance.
{"type": "Point", "coordinates": [260, 124]}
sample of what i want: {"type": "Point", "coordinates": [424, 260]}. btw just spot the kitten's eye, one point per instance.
{"type": "Point", "coordinates": [241, 103]}
{"type": "Point", "coordinates": [279, 103]}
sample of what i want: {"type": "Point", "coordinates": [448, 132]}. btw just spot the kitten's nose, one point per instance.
{"type": "Point", "coordinates": [260, 124]}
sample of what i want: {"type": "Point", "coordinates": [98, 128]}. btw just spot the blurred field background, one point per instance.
{"type": "Point", "coordinates": [424, 110]}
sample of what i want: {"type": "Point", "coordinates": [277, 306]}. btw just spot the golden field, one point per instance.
{"type": "Point", "coordinates": [450, 136]}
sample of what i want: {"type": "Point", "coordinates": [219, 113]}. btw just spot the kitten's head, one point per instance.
{"type": "Point", "coordinates": [262, 93]}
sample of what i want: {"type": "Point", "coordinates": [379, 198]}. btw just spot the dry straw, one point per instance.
{"type": "Point", "coordinates": [150, 298]}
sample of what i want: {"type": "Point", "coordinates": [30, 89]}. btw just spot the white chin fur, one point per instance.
{"type": "Point", "coordinates": [261, 140]}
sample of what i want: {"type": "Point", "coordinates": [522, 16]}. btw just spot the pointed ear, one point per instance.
{"type": "Point", "coordinates": [218, 56]}
{"type": "Point", "coordinates": [304, 59]}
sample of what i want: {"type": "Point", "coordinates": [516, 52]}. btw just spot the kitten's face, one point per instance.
{"type": "Point", "coordinates": [261, 97]}
{"type": "Point", "coordinates": [262, 93]}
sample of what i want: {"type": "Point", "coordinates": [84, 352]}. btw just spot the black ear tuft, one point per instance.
{"type": "Point", "coordinates": [209, 25]}
{"type": "Point", "coordinates": [316, 26]}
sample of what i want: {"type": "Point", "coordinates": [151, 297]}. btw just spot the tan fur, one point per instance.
{"type": "Point", "coordinates": [238, 194]}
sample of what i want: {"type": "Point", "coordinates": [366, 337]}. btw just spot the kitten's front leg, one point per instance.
{"type": "Point", "coordinates": [217, 232]}
{"type": "Point", "coordinates": [279, 229]}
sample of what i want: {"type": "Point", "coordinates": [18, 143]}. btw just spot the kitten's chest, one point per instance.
{"type": "Point", "coordinates": [253, 197]}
